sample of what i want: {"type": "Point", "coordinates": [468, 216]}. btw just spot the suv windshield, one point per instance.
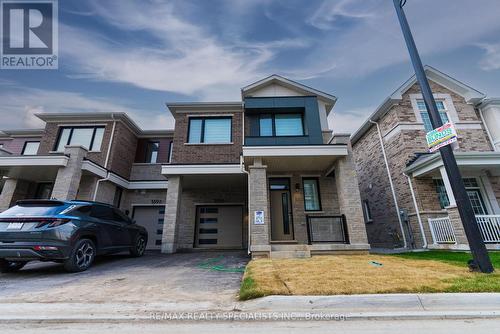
{"type": "Point", "coordinates": [31, 210]}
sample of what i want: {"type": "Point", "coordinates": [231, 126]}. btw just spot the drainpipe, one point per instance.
{"type": "Point", "coordinates": [242, 166]}
{"type": "Point", "coordinates": [390, 182]}
{"type": "Point", "coordinates": [107, 159]}
{"type": "Point", "coordinates": [487, 130]}
{"type": "Point", "coordinates": [417, 211]}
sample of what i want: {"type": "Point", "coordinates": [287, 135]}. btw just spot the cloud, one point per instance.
{"type": "Point", "coordinates": [491, 59]}
{"type": "Point", "coordinates": [20, 104]}
{"type": "Point", "coordinates": [185, 57]}
{"type": "Point", "coordinates": [330, 13]}
{"type": "Point", "coordinates": [350, 120]}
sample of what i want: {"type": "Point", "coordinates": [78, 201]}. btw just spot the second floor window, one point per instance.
{"type": "Point", "coordinates": [425, 115]}
{"type": "Point", "coordinates": [152, 149]}
{"type": "Point", "coordinates": [30, 148]}
{"type": "Point", "coordinates": [276, 125]}
{"type": "Point", "coordinates": [209, 130]}
{"type": "Point", "coordinates": [88, 137]}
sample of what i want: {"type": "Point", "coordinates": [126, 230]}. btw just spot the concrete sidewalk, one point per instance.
{"type": "Point", "coordinates": [384, 307]}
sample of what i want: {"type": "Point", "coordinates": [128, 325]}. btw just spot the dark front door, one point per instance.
{"type": "Point", "coordinates": [281, 210]}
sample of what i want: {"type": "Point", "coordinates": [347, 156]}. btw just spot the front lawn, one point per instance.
{"type": "Point", "coordinates": [363, 274]}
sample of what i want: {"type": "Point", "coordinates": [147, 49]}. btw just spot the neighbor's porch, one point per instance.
{"type": "Point", "coordinates": [438, 217]}
{"type": "Point", "coordinates": [303, 200]}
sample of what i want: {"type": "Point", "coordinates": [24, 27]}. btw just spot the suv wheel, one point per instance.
{"type": "Point", "coordinates": [10, 266]}
{"type": "Point", "coordinates": [139, 247]}
{"type": "Point", "coordinates": [81, 257]}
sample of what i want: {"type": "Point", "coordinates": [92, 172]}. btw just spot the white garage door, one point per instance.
{"type": "Point", "coordinates": [151, 217]}
{"type": "Point", "coordinates": [219, 227]}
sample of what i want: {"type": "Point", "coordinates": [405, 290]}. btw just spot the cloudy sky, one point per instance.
{"type": "Point", "coordinates": [134, 56]}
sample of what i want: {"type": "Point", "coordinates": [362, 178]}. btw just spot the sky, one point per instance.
{"type": "Point", "coordinates": [136, 55]}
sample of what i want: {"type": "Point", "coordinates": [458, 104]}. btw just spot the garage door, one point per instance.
{"type": "Point", "coordinates": [219, 227]}
{"type": "Point", "coordinates": [151, 217]}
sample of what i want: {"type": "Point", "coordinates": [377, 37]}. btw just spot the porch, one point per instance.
{"type": "Point", "coordinates": [303, 200]}
{"type": "Point", "coordinates": [437, 223]}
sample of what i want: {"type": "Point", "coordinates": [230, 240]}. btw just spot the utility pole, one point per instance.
{"type": "Point", "coordinates": [476, 244]}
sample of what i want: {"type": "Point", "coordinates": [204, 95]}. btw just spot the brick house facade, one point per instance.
{"type": "Point", "coordinates": [402, 137]}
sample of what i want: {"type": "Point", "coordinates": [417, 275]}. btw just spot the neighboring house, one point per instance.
{"type": "Point", "coordinates": [93, 156]}
{"type": "Point", "coordinates": [406, 195]}
{"type": "Point", "coordinates": [263, 174]}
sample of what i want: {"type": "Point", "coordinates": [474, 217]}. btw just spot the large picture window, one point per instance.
{"type": "Point", "coordinates": [312, 200]}
{"type": "Point", "coordinates": [210, 130]}
{"type": "Point", "coordinates": [281, 125]}
{"type": "Point", "coordinates": [88, 137]}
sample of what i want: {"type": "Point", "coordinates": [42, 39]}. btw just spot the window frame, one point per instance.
{"type": "Point", "coordinates": [445, 111]}
{"type": "Point", "coordinates": [367, 212]}
{"type": "Point", "coordinates": [273, 124]}
{"type": "Point", "coordinates": [202, 134]}
{"type": "Point", "coordinates": [30, 142]}
{"type": "Point", "coordinates": [147, 151]}
{"type": "Point", "coordinates": [320, 206]}
{"type": "Point", "coordinates": [72, 128]}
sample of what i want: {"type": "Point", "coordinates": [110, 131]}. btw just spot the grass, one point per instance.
{"type": "Point", "coordinates": [437, 271]}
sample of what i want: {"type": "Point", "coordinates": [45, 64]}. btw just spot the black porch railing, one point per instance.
{"type": "Point", "coordinates": [331, 229]}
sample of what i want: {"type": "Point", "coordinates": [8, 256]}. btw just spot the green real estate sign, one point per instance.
{"type": "Point", "coordinates": [442, 136]}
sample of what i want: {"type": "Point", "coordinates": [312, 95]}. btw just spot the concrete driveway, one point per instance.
{"type": "Point", "coordinates": [152, 278]}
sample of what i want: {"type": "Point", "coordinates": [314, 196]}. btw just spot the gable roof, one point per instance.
{"type": "Point", "coordinates": [470, 95]}
{"type": "Point", "coordinates": [328, 99]}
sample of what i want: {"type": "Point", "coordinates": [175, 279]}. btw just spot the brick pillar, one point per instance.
{"type": "Point", "coordinates": [258, 201]}
{"type": "Point", "coordinates": [458, 228]}
{"type": "Point", "coordinates": [172, 215]}
{"type": "Point", "coordinates": [349, 200]}
{"type": "Point", "coordinates": [68, 178]}
{"type": "Point", "coordinates": [7, 194]}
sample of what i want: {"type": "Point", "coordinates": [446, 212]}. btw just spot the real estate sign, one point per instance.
{"type": "Point", "coordinates": [442, 136]}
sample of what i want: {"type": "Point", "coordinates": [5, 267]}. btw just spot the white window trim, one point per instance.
{"type": "Point", "coordinates": [448, 105]}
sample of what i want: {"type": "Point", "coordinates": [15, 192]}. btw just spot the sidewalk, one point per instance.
{"type": "Point", "coordinates": [354, 307]}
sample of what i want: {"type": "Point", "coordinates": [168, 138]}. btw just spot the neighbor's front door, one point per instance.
{"type": "Point", "coordinates": [281, 210]}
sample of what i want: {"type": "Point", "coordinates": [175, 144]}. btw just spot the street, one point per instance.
{"type": "Point", "coordinates": [476, 326]}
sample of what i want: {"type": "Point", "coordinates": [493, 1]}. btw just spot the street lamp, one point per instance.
{"type": "Point", "coordinates": [476, 244]}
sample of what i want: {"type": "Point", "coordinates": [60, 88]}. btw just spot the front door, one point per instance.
{"type": "Point", "coordinates": [281, 210]}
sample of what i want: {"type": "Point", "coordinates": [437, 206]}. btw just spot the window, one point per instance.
{"type": "Point", "coordinates": [170, 148]}
{"type": "Point", "coordinates": [425, 115]}
{"type": "Point", "coordinates": [311, 195]}
{"type": "Point", "coordinates": [367, 212]}
{"type": "Point", "coordinates": [152, 149]}
{"type": "Point", "coordinates": [102, 212]}
{"type": "Point", "coordinates": [30, 148]}
{"type": "Point", "coordinates": [444, 201]}
{"type": "Point", "coordinates": [210, 130]}
{"type": "Point", "coordinates": [281, 125]}
{"type": "Point", "coordinates": [88, 137]}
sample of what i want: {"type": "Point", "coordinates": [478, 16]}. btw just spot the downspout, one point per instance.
{"type": "Point", "coordinates": [391, 183]}
{"type": "Point", "coordinates": [417, 211]}
{"type": "Point", "coordinates": [108, 154]}
{"type": "Point", "coordinates": [486, 128]}
{"type": "Point", "coordinates": [242, 166]}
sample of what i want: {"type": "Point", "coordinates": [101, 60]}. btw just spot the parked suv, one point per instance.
{"type": "Point", "coordinates": [68, 232]}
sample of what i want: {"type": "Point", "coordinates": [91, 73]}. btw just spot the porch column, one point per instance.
{"type": "Point", "coordinates": [7, 194]}
{"type": "Point", "coordinates": [349, 198]}
{"type": "Point", "coordinates": [447, 185]}
{"type": "Point", "coordinates": [68, 178]}
{"type": "Point", "coordinates": [172, 215]}
{"type": "Point", "coordinates": [258, 201]}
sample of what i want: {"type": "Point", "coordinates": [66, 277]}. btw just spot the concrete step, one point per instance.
{"type": "Point", "coordinates": [290, 254]}
{"type": "Point", "coordinates": [289, 247]}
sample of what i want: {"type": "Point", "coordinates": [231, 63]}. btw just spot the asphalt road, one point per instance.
{"type": "Point", "coordinates": [352, 327]}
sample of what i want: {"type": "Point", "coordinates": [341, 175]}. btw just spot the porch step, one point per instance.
{"type": "Point", "coordinates": [289, 247]}
{"type": "Point", "coordinates": [290, 254]}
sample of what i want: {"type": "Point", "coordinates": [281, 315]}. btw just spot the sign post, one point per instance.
{"type": "Point", "coordinates": [476, 244]}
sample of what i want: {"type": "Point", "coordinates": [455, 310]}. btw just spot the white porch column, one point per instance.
{"type": "Point", "coordinates": [490, 194]}
{"type": "Point", "coordinates": [447, 185]}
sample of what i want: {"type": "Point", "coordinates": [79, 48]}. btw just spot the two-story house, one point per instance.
{"type": "Point", "coordinates": [263, 174]}
{"type": "Point", "coordinates": [406, 194]}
